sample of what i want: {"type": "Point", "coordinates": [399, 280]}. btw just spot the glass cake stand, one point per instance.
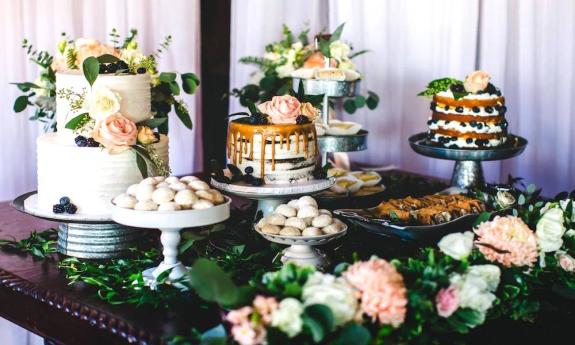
{"type": "Point", "coordinates": [170, 223]}
{"type": "Point", "coordinates": [270, 196]}
{"type": "Point", "coordinates": [468, 171]}
{"type": "Point", "coordinates": [83, 236]}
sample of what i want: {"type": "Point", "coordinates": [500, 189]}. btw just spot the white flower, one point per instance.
{"type": "Point", "coordinates": [473, 292]}
{"type": "Point", "coordinates": [339, 50]}
{"type": "Point", "coordinates": [457, 245]}
{"type": "Point", "coordinates": [347, 64]}
{"type": "Point", "coordinates": [570, 233]}
{"type": "Point", "coordinates": [285, 70]}
{"type": "Point", "coordinates": [504, 199]}
{"type": "Point", "coordinates": [565, 261]}
{"type": "Point", "coordinates": [332, 292]}
{"type": "Point", "coordinates": [273, 57]}
{"type": "Point", "coordinates": [131, 56]}
{"type": "Point", "coordinates": [102, 102]}
{"type": "Point", "coordinates": [287, 317]}
{"type": "Point", "coordinates": [550, 230]}
{"type": "Point", "coordinates": [564, 204]}
{"type": "Point", "coordinates": [297, 45]}
{"type": "Point", "coordinates": [491, 274]}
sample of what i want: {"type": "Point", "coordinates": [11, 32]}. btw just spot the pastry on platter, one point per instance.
{"type": "Point", "coordinates": [331, 73]}
{"type": "Point", "coordinates": [337, 127]}
{"type": "Point", "coordinates": [355, 183]}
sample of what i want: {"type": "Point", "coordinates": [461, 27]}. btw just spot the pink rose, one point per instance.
{"type": "Point", "coordinates": [265, 306]}
{"type": "Point", "coordinates": [447, 301]}
{"type": "Point", "coordinates": [115, 132]}
{"type": "Point", "coordinates": [567, 262]}
{"type": "Point", "coordinates": [248, 333]}
{"type": "Point", "coordinates": [476, 81]}
{"type": "Point", "coordinates": [281, 109]}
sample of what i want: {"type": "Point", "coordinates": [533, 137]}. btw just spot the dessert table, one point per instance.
{"type": "Point", "coordinates": [35, 294]}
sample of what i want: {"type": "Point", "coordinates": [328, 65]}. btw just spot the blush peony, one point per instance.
{"type": "Point", "coordinates": [447, 301]}
{"type": "Point", "coordinates": [86, 47]}
{"type": "Point", "coordinates": [476, 81]}
{"type": "Point", "coordinates": [115, 132]}
{"type": "Point", "coordinates": [281, 109]}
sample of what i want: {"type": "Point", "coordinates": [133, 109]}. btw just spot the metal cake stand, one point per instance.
{"type": "Point", "coordinates": [343, 143]}
{"type": "Point", "coordinates": [301, 249]}
{"type": "Point", "coordinates": [468, 171]}
{"type": "Point", "coordinates": [80, 235]}
{"type": "Point", "coordinates": [170, 223]}
{"type": "Point", "coordinates": [270, 196]}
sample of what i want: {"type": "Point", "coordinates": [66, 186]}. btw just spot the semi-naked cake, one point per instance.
{"type": "Point", "coordinates": [279, 144]}
{"type": "Point", "coordinates": [81, 165]}
{"type": "Point", "coordinates": [468, 114]}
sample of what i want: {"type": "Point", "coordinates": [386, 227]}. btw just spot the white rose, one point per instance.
{"type": "Point", "coordinates": [102, 102]}
{"type": "Point", "coordinates": [550, 230]}
{"type": "Point", "coordinates": [285, 70]}
{"type": "Point", "coordinates": [347, 64]}
{"type": "Point", "coordinates": [570, 233]}
{"type": "Point", "coordinates": [339, 50]}
{"type": "Point", "coordinates": [473, 292]}
{"type": "Point", "coordinates": [491, 274]}
{"type": "Point", "coordinates": [457, 245]}
{"type": "Point", "coordinates": [131, 56]}
{"type": "Point", "coordinates": [297, 46]}
{"type": "Point", "coordinates": [504, 199]}
{"type": "Point", "coordinates": [547, 207]}
{"type": "Point", "coordinates": [287, 317]}
{"type": "Point", "coordinates": [564, 204]}
{"type": "Point", "coordinates": [335, 293]}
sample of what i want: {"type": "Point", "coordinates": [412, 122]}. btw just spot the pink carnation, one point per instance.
{"type": "Point", "coordinates": [447, 301]}
{"type": "Point", "coordinates": [381, 290]}
{"type": "Point", "coordinates": [248, 333]}
{"type": "Point", "coordinates": [265, 306]}
{"type": "Point", "coordinates": [235, 317]}
{"type": "Point", "coordinates": [507, 240]}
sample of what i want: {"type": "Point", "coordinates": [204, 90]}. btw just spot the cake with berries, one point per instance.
{"type": "Point", "coordinates": [466, 114]}
{"type": "Point", "coordinates": [277, 143]}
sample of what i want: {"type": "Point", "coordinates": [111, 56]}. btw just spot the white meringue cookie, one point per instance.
{"type": "Point", "coordinates": [311, 231]}
{"type": "Point", "coordinates": [178, 186]}
{"type": "Point", "coordinates": [295, 222]}
{"type": "Point", "coordinates": [286, 211]}
{"type": "Point", "coordinates": [169, 206]}
{"type": "Point", "coordinates": [163, 185]}
{"type": "Point", "coordinates": [341, 225]}
{"type": "Point", "coordinates": [132, 190]}
{"type": "Point", "coordinates": [307, 211]}
{"type": "Point", "coordinates": [149, 180]}
{"type": "Point", "coordinates": [198, 185]}
{"type": "Point", "coordinates": [218, 197]}
{"type": "Point", "coordinates": [331, 229]}
{"type": "Point", "coordinates": [159, 179]}
{"type": "Point", "coordinates": [321, 221]}
{"type": "Point", "coordinates": [185, 198]}
{"type": "Point", "coordinates": [162, 195]}
{"type": "Point", "coordinates": [290, 231]}
{"type": "Point", "coordinates": [147, 205]}
{"type": "Point", "coordinates": [172, 179]}
{"type": "Point", "coordinates": [307, 200]}
{"type": "Point", "coordinates": [276, 219]}
{"type": "Point", "coordinates": [188, 179]}
{"type": "Point", "coordinates": [308, 221]}
{"type": "Point", "coordinates": [202, 204]}
{"type": "Point", "coordinates": [324, 211]}
{"type": "Point", "coordinates": [294, 203]}
{"type": "Point", "coordinates": [261, 223]}
{"type": "Point", "coordinates": [125, 201]}
{"type": "Point", "coordinates": [270, 229]}
{"type": "Point", "coordinates": [211, 195]}
{"type": "Point", "coordinates": [144, 192]}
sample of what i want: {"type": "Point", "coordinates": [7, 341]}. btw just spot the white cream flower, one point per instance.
{"type": "Point", "coordinates": [550, 230]}
{"type": "Point", "coordinates": [504, 199]}
{"type": "Point", "coordinates": [44, 85]}
{"type": "Point", "coordinates": [347, 64]}
{"type": "Point", "coordinates": [473, 292]}
{"type": "Point", "coordinates": [339, 50]}
{"type": "Point", "coordinates": [335, 293]}
{"type": "Point", "coordinates": [565, 261]}
{"type": "Point", "coordinates": [491, 274]}
{"type": "Point", "coordinates": [297, 45]}
{"type": "Point", "coordinates": [285, 70]}
{"type": "Point", "coordinates": [131, 56]}
{"type": "Point", "coordinates": [102, 102]}
{"type": "Point", "coordinates": [287, 317]}
{"type": "Point", "coordinates": [457, 245]}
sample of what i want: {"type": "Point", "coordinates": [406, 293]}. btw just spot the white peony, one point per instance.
{"type": "Point", "coordinates": [132, 56]}
{"type": "Point", "coordinates": [102, 102]}
{"type": "Point", "coordinates": [570, 233]}
{"type": "Point", "coordinates": [457, 245]}
{"type": "Point", "coordinates": [491, 274]}
{"type": "Point", "coordinates": [285, 70]}
{"type": "Point", "coordinates": [287, 317]}
{"type": "Point", "coordinates": [564, 204]}
{"type": "Point", "coordinates": [550, 230]}
{"type": "Point", "coordinates": [473, 292]}
{"type": "Point", "coordinates": [339, 50]}
{"type": "Point", "coordinates": [332, 292]}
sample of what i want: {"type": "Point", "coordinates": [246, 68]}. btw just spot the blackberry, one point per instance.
{"type": "Point", "coordinates": [503, 110]}
{"type": "Point", "coordinates": [432, 106]}
{"type": "Point", "coordinates": [249, 170]}
{"type": "Point", "coordinates": [64, 201]}
{"type": "Point", "coordinates": [302, 120]}
{"type": "Point", "coordinates": [81, 141]}
{"type": "Point", "coordinates": [476, 109]}
{"type": "Point", "coordinates": [58, 208]}
{"type": "Point", "coordinates": [459, 109]}
{"type": "Point", "coordinates": [473, 123]}
{"type": "Point", "coordinates": [70, 208]}
{"type": "Point", "coordinates": [488, 109]}
{"type": "Point", "coordinates": [453, 146]}
{"type": "Point", "coordinates": [92, 143]}
{"type": "Point", "coordinates": [479, 126]}
{"type": "Point", "coordinates": [429, 122]}
{"type": "Point", "coordinates": [463, 124]}
{"type": "Point", "coordinates": [122, 65]}
{"type": "Point", "coordinates": [103, 69]}
{"type": "Point", "coordinates": [112, 68]}
{"type": "Point", "coordinates": [141, 70]}
{"type": "Point", "coordinates": [469, 140]}
{"type": "Point", "coordinates": [457, 88]}
{"type": "Point", "coordinates": [491, 89]}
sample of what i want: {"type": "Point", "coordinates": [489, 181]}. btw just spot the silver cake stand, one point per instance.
{"type": "Point", "coordinates": [468, 171]}
{"type": "Point", "coordinates": [301, 249]}
{"type": "Point", "coordinates": [270, 196]}
{"type": "Point", "coordinates": [83, 236]}
{"type": "Point", "coordinates": [170, 223]}
{"type": "Point", "coordinates": [343, 143]}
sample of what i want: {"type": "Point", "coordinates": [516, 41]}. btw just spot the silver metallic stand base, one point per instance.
{"type": "Point", "coordinates": [467, 174]}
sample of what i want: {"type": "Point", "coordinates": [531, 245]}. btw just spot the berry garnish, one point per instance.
{"type": "Point", "coordinates": [58, 208]}
{"type": "Point", "coordinates": [81, 141]}
{"type": "Point", "coordinates": [103, 69]}
{"type": "Point", "coordinates": [491, 89]}
{"type": "Point", "coordinates": [457, 88]}
{"type": "Point", "coordinates": [302, 120]}
{"type": "Point", "coordinates": [459, 109]}
{"type": "Point", "coordinates": [249, 170]}
{"type": "Point", "coordinates": [71, 208]}
{"type": "Point", "coordinates": [64, 201]}
{"type": "Point", "coordinates": [141, 70]}
{"type": "Point", "coordinates": [92, 143]}
{"type": "Point", "coordinates": [432, 106]}
{"type": "Point", "coordinates": [476, 109]}
{"type": "Point", "coordinates": [112, 68]}
{"type": "Point", "coordinates": [122, 65]}
{"type": "Point", "coordinates": [488, 109]}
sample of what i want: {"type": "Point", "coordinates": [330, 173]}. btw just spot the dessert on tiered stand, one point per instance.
{"type": "Point", "coordinates": [468, 125]}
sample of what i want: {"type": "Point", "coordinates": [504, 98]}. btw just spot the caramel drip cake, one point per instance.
{"type": "Point", "coordinates": [468, 114]}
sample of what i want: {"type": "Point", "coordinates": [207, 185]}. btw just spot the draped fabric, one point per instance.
{"type": "Point", "coordinates": [527, 46]}
{"type": "Point", "coordinates": [42, 22]}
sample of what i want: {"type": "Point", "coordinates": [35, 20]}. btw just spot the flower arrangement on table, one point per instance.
{"type": "Point", "coordinates": [281, 59]}
{"type": "Point", "coordinates": [70, 55]}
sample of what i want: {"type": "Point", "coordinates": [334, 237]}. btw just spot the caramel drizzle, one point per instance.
{"type": "Point", "coordinates": [469, 103]}
{"type": "Point", "coordinates": [241, 140]}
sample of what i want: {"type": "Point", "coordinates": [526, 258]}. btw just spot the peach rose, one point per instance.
{"type": "Point", "coordinates": [281, 109]}
{"type": "Point", "coordinates": [86, 47]}
{"type": "Point", "coordinates": [309, 110]}
{"type": "Point", "coordinates": [316, 60]}
{"type": "Point", "coordinates": [59, 64]}
{"type": "Point", "coordinates": [115, 132]}
{"type": "Point", "coordinates": [567, 262]}
{"type": "Point", "coordinates": [476, 81]}
{"type": "Point", "coordinates": [146, 135]}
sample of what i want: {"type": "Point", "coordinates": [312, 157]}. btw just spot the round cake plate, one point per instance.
{"type": "Point", "coordinates": [343, 143]}
{"type": "Point", "coordinates": [270, 196]}
{"type": "Point", "coordinates": [301, 251]}
{"type": "Point", "coordinates": [170, 223]}
{"type": "Point", "coordinates": [468, 171]}
{"type": "Point", "coordinates": [329, 88]}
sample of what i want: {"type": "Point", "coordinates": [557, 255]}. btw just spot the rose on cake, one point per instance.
{"type": "Point", "coordinates": [116, 133]}
{"type": "Point", "coordinates": [102, 102]}
{"type": "Point", "coordinates": [476, 81]}
{"type": "Point", "coordinates": [286, 109]}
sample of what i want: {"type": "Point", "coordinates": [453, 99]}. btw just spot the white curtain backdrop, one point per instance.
{"type": "Point", "coordinates": [528, 46]}
{"type": "Point", "coordinates": [42, 21]}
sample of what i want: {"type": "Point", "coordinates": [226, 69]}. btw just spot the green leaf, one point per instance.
{"type": "Point", "coordinates": [531, 188]}
{"type": "Point", "coordinates": [483, 217]}
{"type": "Point", "coordinates": [167, 77]}
{"type": "Point", "coordinates": [211, 283]}
{"type": "Point", "coordinates": [252, 107]}
{"type": "Point", "coordinates": [183, 115]}
{"type": "Point", "coordinates": [349, 106]}
{"type": "Point", "coordinates": [337, 33]}
{"type": "Point", "coordinates": [438, 85]}
{"type": "Point", "coordinates": [355, 334]}
{"type": "Point", "coordinates": [323, 47]}
{"type": "Point", "coordinates": [154, 123]}
{"type": "Point", "coordinates": [521, 200]}
{"type": "Point", "coordinates": [108, 58]}
{"type": "Point", "coordinates": [174, 88]}
{"type": "Point", "coordinates": [358, 53]}
{"type": "Point", "coordinates": [25, 87]}
{"type": "Point", "coordinates": [359, 101]}
{"type": "Point", "coordinates": [141, 161]}
{"type": "Point", "coordinates": [190, 82]}
{"type": "Point", "coordinates": [77, 121]}
{"type": "Point", "coordinates": [91, 68]}
{"type": "Point", "coordinates": [319, 320]}
{"type": "Point", "coordinates": [267, 83]}
{"type": "Point", "coordinates": [20, 104]}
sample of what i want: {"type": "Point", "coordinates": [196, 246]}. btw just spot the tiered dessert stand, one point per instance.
{"type": "Point", "coordinates": [170, 223]}
{"type": "Point", "coordinates": [83, 236]}
{"type": "Point", "coordinates": [270, 196]}
{"type": "Point", "coordinates": [468, 171]}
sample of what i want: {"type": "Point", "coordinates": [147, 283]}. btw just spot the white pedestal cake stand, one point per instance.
{"type": "Point", "coordinates": [301, 249]}
{"type": "Point", "coordinates": [170, 223]}
{"type": "Point", "coordinates": [80, 235]}
{"type": "Point", "coordinates": [270, 196]}
{"type": "Point", "coordinates": [468, 171]}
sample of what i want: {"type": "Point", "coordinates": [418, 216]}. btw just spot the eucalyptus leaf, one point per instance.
{"type": "Point", "coordinates": [190, 82]}
{"type": "Point", "coordinates": [167, 77]}
{"type": "Point", "coordinates": [142, 161]}
{"type": "Point", "coordinates": [211, 283]}
{"type": "Point", "coordinates": [91, 69]}
{"type": "Point", "coordinates": [76, 121]}
{"type": "Point", "coordinates": [521, 200]}
{"type": "Point", "coordinates": [483, 217]}
{"type": "Point", "coordinates": [349, 106]}
{"type": "Point", "coordinates": [355, 334]}
{"type": "Point", "coordinates": [174, 88]}
{"type": "Point", "coordinates": [20, 104]}
{"type": "Point", "coordinates": [359, 101]}
{"type": "Point", "coordinates": [318, 319]}
{"type": "Point", "coordinates": [108, 58]}
{"type": "Point", "coordinates": [183, 115]}
{"type": "Point", "coordinates": [25, 87]}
